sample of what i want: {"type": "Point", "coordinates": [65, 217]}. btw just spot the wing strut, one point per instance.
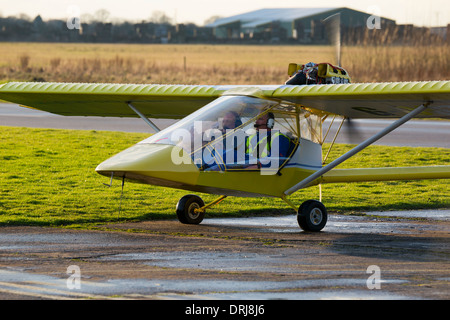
{"type": "Point", "coordinates": [356, 149]}
{"type": "Point", "coordinates": [140, 114]}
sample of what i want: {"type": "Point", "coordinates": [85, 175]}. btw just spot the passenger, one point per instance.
{"type": "Point", "coordinates": [259, 145]}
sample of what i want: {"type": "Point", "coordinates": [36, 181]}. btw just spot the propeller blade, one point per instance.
{"type": "Point", "coordinates": [333, 28]}
{"type": "Point", "coordinates": [354, 134]}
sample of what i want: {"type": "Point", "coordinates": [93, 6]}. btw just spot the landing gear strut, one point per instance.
{"type": "Point", "coordinates": [191, 208]}
{"type": "Point", "coordinates": [311, 216]}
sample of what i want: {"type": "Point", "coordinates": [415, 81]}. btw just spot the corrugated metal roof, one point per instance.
{"type": "Point", "coordinates": [263, 16]}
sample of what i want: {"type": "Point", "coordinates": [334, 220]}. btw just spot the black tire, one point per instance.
{"type": "Point", "coordinates": [185, 209]}
{"type": "Point", "coordinates": [312, 216]}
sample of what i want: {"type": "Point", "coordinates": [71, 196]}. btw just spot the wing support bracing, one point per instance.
{"type": "Point", "coordinates": [356, 149]}
{"type": "Point", "coordinates": [143, 117]}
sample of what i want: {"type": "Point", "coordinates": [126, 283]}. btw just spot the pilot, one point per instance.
{"type": "Point", "coordinates": [222, 153]}
{"type": "Point", "coordinates": [231, 120]}
{"type": "Point", "coordinates": [231, 143]}
{"type": "Point", "coordinates": [259, 145]}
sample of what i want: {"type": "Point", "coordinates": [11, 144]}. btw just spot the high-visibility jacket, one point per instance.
{"type": "Point", "coordinates": [255, 144]}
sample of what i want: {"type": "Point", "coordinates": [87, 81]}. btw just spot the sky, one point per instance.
{"type": "Point", "coordinates": [417, 12]}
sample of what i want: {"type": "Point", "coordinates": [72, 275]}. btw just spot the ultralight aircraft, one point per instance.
{"type": "Point", "coordinates": [246, 141]}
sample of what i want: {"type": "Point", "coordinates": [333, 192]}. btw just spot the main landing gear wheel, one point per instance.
{"type": "Point", "coordinates": [188, 209]}
{"type": "Point", "coordinates": [312, 216]}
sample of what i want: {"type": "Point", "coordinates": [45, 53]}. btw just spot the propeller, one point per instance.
{"type": "Point", "coordinates": [354, 135]}
{"type": "Point", "coordinates": [333, 28]}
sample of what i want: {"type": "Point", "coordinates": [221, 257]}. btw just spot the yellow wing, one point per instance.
{"type": "Point", "coordinates": [359, 100]}
{"type": "Point", "coordinates": [385, 174]}
{"type": "Point", "coordinates": [372, 100]}
{"type": "Point", "coordinates": [109, 100]}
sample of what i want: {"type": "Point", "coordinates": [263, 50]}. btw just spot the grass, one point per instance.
{"type": "Point", "coordinates": [47, 178]}
{"type": "Point", "coordinates": [212, 64]}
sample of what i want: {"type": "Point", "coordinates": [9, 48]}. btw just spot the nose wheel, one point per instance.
{"type": "Point", "coordinates": [191, 208]}
{"type": "Point", "coordinates": [312, 216]}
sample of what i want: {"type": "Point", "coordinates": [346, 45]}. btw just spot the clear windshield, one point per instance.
{"type": "Point", "coordinates": [240, 133]}
{"type": "Point", "coordinates": [212, 116]}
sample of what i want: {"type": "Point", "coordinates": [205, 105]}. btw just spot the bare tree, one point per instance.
{"type": "Point", "coordinates": [101, 15]}
{"type": "Point", "coordinates": [160, 17]}
{"type": "Point", "coordinates": [87, 18]}
{"type": "Point", "coordinates": [25, 17]}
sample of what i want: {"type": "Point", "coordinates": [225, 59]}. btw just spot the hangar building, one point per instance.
{"type": "Point", "coordinates": [303, 25]}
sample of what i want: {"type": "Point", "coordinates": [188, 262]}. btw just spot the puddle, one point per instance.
{"type": "Point", "coordinates": [439, 214]}
{"type": "Point", "coordinates": [56, 241]}
{"type": "Point", "coordinates": [224, 289]}
{"type": "Point", "coordinates": [339, 223]}
{"type": "Point", "coordinates": [202, 289]}
{"type": "Point", "coordinates": [309, 295]}
{"type": "Point", "coordinates": [217, 261]}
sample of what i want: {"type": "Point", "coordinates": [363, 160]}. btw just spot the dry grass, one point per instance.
{"type": "Point", "coordinates": [211, 64]}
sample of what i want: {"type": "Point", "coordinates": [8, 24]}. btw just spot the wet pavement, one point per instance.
{"type": "Point", "coordinates": [379, 255]}
{"type": "Point", "coordinates": [399, 255]}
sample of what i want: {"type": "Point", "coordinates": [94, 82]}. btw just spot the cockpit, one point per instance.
{"type": "Point", "coordinates": [242, 133]}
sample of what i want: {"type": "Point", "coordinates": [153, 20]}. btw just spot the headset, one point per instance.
{"type": "Point", "coordinates": [270, 120]}
{"type": "Point", "coordinates": [237, 119]}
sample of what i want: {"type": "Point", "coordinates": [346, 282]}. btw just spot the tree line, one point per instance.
{"type": "Point", "coordinates": [161, 29]}
{"type": "Point", "coordinates": [94, 29]}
